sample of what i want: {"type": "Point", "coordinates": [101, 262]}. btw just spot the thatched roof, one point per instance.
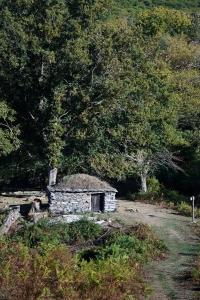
{"type": "Point", "coordinates": [82, 183]}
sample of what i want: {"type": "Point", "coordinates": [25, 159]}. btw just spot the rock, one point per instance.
{"type": "Point", "coordinates": [39, 215]}
{"type": "Point", "coordinates": [12, 217]}
{"type": "Point", "coordinates": [132, 210]}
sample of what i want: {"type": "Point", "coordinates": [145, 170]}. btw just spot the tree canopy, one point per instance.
{"type": "Point", "coordinates": [91, 84]}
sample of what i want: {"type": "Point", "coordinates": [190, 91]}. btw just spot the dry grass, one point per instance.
{"type": "Point", "coordinates": [83, 182]}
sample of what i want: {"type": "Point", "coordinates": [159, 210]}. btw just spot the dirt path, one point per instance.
{"type": "Point", "coordinates": [169, 277]}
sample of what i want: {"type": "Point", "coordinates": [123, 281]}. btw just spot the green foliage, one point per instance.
{"type": "Point", "coordinates": [55, 129]}
{"type": "Point", "coordinates": [160, 20]}
{"type": "Point", "coordinates": [154, 193]}
{"type": "Point", "coordinates": [54, 272]}
{"type": "Point", "coordinates": [124, 246]}
{"type": "Point", "coordinates": [185, 209]}
{"type": "Point", "coordinates": [90, 88]}
{"type": "Point", "coordinates": [9, 132]}
{"type": "Point", "coordinates": [174, 196]}
{"type": "Point", "coordinates": [84, 230]}
{"type": "Point", "coordinates": [45, 232]}
{"type": "Point", "coordinates": [138, 244]}
{"type": "Point", "coordinates": [154, 185]}
{"type": "Point", "coordinates": [132, 5]}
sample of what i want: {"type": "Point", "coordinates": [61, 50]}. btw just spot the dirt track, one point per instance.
{"type": "Point", "coordinates": [169, 278]}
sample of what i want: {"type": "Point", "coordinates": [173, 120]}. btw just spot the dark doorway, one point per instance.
{"type": "Point", "coordinates": [97, 202]}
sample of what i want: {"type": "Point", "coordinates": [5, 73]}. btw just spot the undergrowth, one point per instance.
{"type": "Point", "coordinates": [39, 262]}
{"type": "Point", "coordinates": [3, 216]}
{"type": "Point", "coordinates": [184, 208]}
{"type": "Point", "coordinates": [45, 232]}
{"type": "Point", "coordinates": [161, 196]}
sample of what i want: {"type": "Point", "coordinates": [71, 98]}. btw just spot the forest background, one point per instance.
{"type": "Point", "coordinates": [109, 88]}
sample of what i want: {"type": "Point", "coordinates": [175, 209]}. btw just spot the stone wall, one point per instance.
{"type": "Point", "coordinates": [63, 203]}
{"type": "Point", "coordinates": [110, 202]}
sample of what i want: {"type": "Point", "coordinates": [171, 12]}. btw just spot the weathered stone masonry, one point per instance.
{"type": "Point", "coordinates": [63, 203]}
{"type": "Point", "coordinates": [110, 202]}
{"type": "Point", "coordinates": [81, 193]}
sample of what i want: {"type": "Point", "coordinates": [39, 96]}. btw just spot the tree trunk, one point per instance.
{"type": "Point", "coordinates": [143, 183]}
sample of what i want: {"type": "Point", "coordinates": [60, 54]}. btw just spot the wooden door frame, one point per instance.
{"type": "Point", "coordinates": [102, 202]}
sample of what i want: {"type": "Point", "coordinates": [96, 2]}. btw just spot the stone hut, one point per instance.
{"type": "Point", "coordinates": [81, 193]}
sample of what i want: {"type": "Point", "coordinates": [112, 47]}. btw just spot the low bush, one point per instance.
{"type": "Point", "coordinates": [39, 262]}
{"type": "Point", "coordinates": [184, 208]}
{"type": "Point", "coordinates": [166, 198]}
{"type": "Point", "coordinates": [158, 194]}
{"type": "Point", "coordinates": [174, 196]}
{"type": "Point", "coordinates": [154, 186]}
{"type": "Point", "coordinates": [148, 197]}
{"type": "Point", "coordinates": [55, 274]}
{"type": "Point", "coordinates": [144, 232]}
{"type": "Point", "coordinates": [45, 232]}
{"type": "Point", "coordinates": [137, 242]}
{"type": "Point", "coordinates": [83, 230]}
{"type": "Point", "coordinates": [126, 247]}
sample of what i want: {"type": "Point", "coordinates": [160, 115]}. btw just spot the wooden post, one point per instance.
{"type": "Point", "coordinates": [193, 210]}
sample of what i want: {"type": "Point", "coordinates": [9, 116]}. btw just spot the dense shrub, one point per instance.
{"type": "Point", "coordinates": [55, 274]}
{"type": "Point", "coordinates": [83, 230]}
{"type": "Point", "coordinates": [185, 208]}
{"type": "Point", "coordinates": [39, 262]}
{"type": "Point", "coordinates": [45, 232]}
{"type": "Point", "coordinates": [126, 246]}
{"type": "Point", "coordinates": [137, 243]}
{"type": "Point", "coordinates": [154, 185]}
{"type": "Point", "coordinates": [174, 196]}
{"type": "Point", "coordinates": [144, 232]}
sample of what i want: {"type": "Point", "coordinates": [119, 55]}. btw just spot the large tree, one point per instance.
{"type": "Point", "coordinates": [90, 90]}
{"type": "Point", "coordinates": [43, 51]}
{"type": "Point", "coordinates": [9, 131]}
